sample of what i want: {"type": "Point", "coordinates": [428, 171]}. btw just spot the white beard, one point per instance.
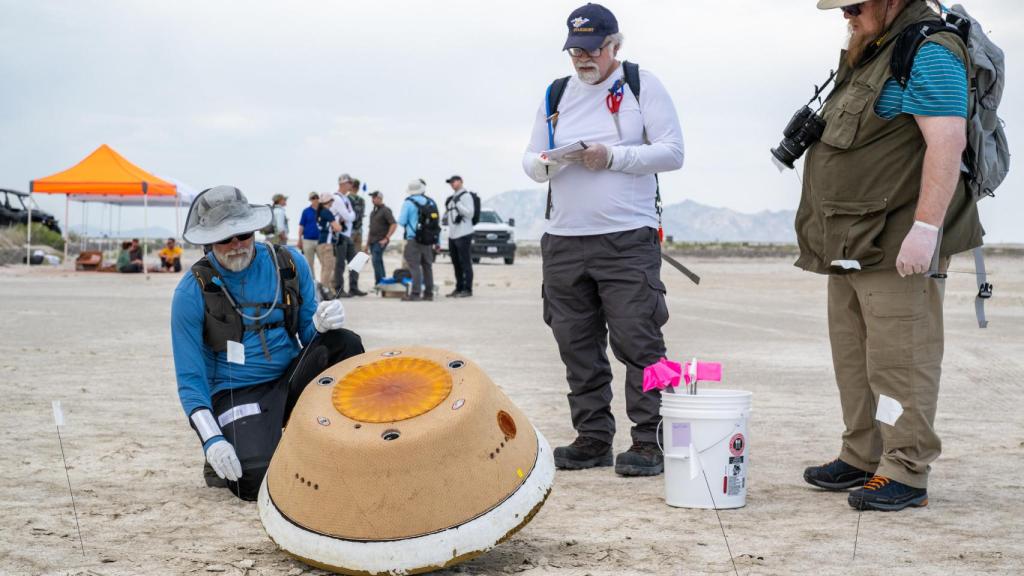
{"type": "Point", "coordinates": [589, 74]}
{"type": "Point", "coordinates": [236, 260]}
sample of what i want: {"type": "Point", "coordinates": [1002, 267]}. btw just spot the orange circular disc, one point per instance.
{"type": "Point", "coordinates": [391, 389]}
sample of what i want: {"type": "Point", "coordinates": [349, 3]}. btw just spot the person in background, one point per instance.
{"type": "Point", "coordinates": [125, 262]}
{"type": "Point", "coordinates": [309, 231]}
{"type": "Point", "coordinates": [459, 210]}
{"type": "Point", "coordinates": [329, 228]}
{"type": "Point", "coordinates": [359, 209]}
{"type": "Point", "coordinates": [382, 226]}
{"type": "Point", "coordinates": [418, 256]}
{"type": "Point", "coordinates": [170, 256]}
{"type": "Point", "coordinates": [277, 232]}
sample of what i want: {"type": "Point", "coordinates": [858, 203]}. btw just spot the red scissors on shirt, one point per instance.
{"type": "Point", "coordinates": [614, 97]}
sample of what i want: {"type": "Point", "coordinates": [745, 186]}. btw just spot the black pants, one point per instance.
{"type": "Point", "coordinates": [172, 263]}
{"type": "Point", "coordinates": [255, 435]}
{"type": "Point", "coordinates": [601, 286]}
{"type": "Point", "coordinates": [461, 251]}
{"type": "Point", "coordinates": [344, 250]}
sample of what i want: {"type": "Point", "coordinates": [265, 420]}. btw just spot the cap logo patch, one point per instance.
{"type": "Point", "coordinates": [579, 21]}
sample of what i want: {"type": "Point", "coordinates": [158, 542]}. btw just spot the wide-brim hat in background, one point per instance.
{"type": "Point", "coordinates": [830, 4]}
{"type": "Point", "coordinates": [222, 212]}
{"type": "Point", "coordinates": [415, 187]}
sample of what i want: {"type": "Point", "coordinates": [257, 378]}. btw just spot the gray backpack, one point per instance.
{"type": "Point", "coordinates": [987, 157]}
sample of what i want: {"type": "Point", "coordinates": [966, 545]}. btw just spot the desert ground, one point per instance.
{"type": "Point", "coordinates": [100, 343]}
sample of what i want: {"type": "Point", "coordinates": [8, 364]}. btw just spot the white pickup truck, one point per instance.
{"type": "Point", "coordinates": [492, 237]}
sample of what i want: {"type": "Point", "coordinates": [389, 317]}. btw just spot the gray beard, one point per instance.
{"type": "Point", "coordinates": [238, 262]}
{"type": "Point", "coordinates": [589, 75]}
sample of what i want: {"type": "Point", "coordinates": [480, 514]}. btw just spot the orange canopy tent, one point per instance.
{"type": "Point", "coordinates": [106, 176]}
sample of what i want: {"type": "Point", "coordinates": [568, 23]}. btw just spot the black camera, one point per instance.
{"type": "Point", "coordinates": [804, 129]}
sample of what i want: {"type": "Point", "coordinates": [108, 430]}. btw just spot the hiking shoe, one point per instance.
{"type": "Point", "coordinates": [835, 475]}
{"type": "Point", "coordinates": [325, 294]}
{"type": "Point", "coordinates": [887, 495]}
{"type": "Point", "coordinates": [584, 452]}
{"type": "Point", "coordinates": [428, 297]}
{"type": "Point", "coordinates": [453, 294]}
{"type": "Point", "coordinates": [642, 459]}
{"type": "Point", "coordinates": [411, 298]}
{"type": "Point", "coordinates": [211, 478]}
{"type": "Point", "coordinates": [464, 294]}
{"type": "Point", "coordinates": [356, 292]}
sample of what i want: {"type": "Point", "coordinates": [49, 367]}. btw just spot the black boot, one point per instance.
{"type": "Point", "coordinates": [642, 459]}
{"type": "Point", "coordinates": [584, 452]}
{"type": "Point", "coordinates": [836, 475]}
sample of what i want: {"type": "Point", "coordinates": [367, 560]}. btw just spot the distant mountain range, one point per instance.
{"type": "Point", "coordinates": [154, 232]}
{"type": "Point", "coordinates": [685, 221]}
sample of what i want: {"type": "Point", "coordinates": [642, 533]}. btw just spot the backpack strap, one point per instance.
{"type": "Point", "coordinates": [909, 41]}
{"type": "Point", "coordinates": [552, 98]}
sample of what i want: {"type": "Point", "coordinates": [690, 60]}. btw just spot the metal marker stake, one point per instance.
{"type": "Point", "coordinates": [58, 421]}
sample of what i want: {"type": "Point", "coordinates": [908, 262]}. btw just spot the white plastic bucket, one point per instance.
{"type": "Point", "coordinates": [714, 422]}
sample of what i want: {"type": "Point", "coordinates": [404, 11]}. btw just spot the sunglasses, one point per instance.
{"type": "Point", "coordinates": [853, 10]}
{"type": "Point", "coordinates": [240, 238]}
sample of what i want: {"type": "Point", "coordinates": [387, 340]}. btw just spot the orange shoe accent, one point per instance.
{"type": "Point", "coordinates": [876, 483]}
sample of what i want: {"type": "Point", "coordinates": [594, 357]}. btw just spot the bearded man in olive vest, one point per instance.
{"type": "Point", "coordinates": [879, 185]}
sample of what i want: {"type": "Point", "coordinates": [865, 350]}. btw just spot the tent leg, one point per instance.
{"type": "Point", "coordinates": [67, 226]}
{"type": "Point", "coordinates": [28, 245]}
{"type": "Point", "coordinates": [145, 231]}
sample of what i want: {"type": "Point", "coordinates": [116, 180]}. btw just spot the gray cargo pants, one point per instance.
{"type": "Point", "coordinates": [600, 285]}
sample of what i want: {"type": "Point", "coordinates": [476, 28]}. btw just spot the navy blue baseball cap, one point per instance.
{"type": "Point", "coordinates": [589, 25]}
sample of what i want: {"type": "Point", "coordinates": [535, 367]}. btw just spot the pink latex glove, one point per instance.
{"type": "Point", "coordinates": [661, 375]}
{"type": "Point", "coordinates": [918, 247]}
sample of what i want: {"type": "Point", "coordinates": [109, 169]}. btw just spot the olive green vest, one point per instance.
{"type": "Point", "coordinates": [862, 179]}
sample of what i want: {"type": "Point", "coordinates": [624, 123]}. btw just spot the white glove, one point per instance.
{"type": "Point", "coordinates": [918, 247]}
{"type": "Point", "coordinates": [543, 168]}
{"type": "Point", "coordinates": [329, 315]}
{"type": "Point", "coordinates": [221, 456]}
{"type": "Point", "coordinates": [595, 157]}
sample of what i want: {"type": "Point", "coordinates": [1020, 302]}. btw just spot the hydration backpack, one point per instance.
{"type": "Point", "coordinates": [428, 224]}
{"type": "Point", "coordinates": [986, 159]}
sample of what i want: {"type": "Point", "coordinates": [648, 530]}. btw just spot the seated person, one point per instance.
{"type": "Point", "coordinates": [125, 262]}
{"type": "Point", "coordinates": [257, 301]}
{"type": "Point", "coordinates": [170, 256]}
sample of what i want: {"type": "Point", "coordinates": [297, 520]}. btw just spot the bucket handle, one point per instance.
{"type": "Point", "coordinates": [657, 438]}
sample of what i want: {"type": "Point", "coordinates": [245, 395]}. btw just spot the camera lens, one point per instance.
{"type": "Point", "coordinates": [804, 129]}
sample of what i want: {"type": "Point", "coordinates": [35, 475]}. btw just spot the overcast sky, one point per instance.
{"type": "Point", "coordinates": [284, 96]}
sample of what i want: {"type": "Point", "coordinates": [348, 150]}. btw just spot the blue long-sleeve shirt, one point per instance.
{"type": "Point", "coordinates": [409, 217]}
{"type": "Point", "coordinates": [202, 373]}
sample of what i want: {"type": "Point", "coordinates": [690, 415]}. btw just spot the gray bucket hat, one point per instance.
{"type": "Point", "coordinates": [222, 212]}
{"type": "Point", "coordinates": [830, 4]}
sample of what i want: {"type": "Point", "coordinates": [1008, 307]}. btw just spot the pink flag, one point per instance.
{"type": "Point", "coordinates": [706, 372]}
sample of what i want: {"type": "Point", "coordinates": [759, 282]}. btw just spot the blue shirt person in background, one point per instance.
{"type": "Point", "coordinates": [237, 323]}
{"type": "Point", "coordinates": [309, 229]}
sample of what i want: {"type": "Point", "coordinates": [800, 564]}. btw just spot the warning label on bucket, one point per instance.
{"type": "Point", "coordinates": [735, 476]}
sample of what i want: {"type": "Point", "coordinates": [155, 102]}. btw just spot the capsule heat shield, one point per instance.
{"type": "Point", "coordinates": [403, 461]}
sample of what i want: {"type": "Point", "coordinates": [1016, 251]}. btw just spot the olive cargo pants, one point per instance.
{"type": "Point", "coordinates": [600, 285]}
{"type": "Point", "coordinates": [887, 339]}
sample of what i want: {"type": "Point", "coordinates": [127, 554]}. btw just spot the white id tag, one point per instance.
{"type": "Point", "coordinates": [236, 352]}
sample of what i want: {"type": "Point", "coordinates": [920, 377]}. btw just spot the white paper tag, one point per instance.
{"type": "Point", "coordinates": [58, 413]}
{"type": "Point", "coordinates": [889, 410]}
{"type": "Point", "coordinates": [694, 462]}
{"type": "Point", "coordinates": [358, 261]}
{"type": "Point", "coordinates": [846, 264]}
{"type": "Point", "coordinates": [236, 352]}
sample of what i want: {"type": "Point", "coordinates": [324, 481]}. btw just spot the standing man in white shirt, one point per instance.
{"type": "Point", "coordinates": [344, 249]}
{"type": "Point", "coordinates": [602, 252]}
{"type": "Point", "coordinates": [459, 210]}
